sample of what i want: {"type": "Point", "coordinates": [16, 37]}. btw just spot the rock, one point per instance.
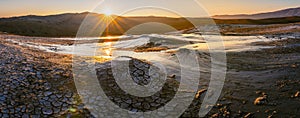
{"type": "Point", "coordinates": [47, 111]}
{"type": "Point", "coordinates": [124, 105]}
{"type": "Point", "coordinates": [56, 104]}
{"type": "Point", "coordinates": [64, 108]}
{"type": "Point", "coordinates": [47, 104]}
{"type": "Point", "coordinates": [25, 116]}
{"type": "Point", "coordinates": [136, 105]}
{"type": "Point", "coordinates": [260, 100]}
{"type": "Point", "coordinates": [134, 110]}
{"type": "Point", "coordinates": [39, 76]}
{"type": "Point", "coordinates": [128, 101]}
{"type": "Point", "coordinates": [248, 115]}
{"type": "Point", "coordinates": [58, 95]}
{"type": "Point", "coordinates": [5, 116]}
{"type": "Point", "coordinates": [264, 94]}
{"type": "Point", "coordinates": [69, 94]}
{"type": "Point", "coordinates": [47, 93]}
{"type": "Point", "coordinates": [2, 98]}
{"type": "Point", "coordinates": [216, 115]}
{"type": "Point", "coordinates": [47, 86]}
{"type": "Point", "coordinates": [258, 92]}
{"type": "Point", "coordinates": [172, 76]}
{"type": "Point", "coordinates": [146, 106]}
{"type": "Point", "coordinates": [297, 94]}
{"type": "Point", "coordinates": [46, 98]}
{"type": "Point", "coordinates": [199, 93]}
{"type": "Point", "coordinates": [53, 96]}
{"type": "Point", "coordinates": [154, 104]}
{"type": "Point", "coordinates": [56, 110]}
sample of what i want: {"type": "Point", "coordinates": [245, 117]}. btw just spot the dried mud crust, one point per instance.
{"type": "Point", "coordinates": [36, 84]}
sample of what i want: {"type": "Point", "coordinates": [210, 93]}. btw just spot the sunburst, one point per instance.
{"type": "Point", "coordinates": [107, 12]}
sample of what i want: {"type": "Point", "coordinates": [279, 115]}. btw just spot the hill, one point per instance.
{"type": "Point", "coordinates": [291, 12]}
{"type": "Point", "coordinates": [66, 25]}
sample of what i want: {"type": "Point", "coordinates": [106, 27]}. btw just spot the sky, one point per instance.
{"type": "Point", "coordinates": [188, 8]}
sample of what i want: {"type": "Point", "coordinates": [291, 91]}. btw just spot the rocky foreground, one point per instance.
{"type": "Point", "coordinates": [33, 85]}
{"type": "Point", "coordinates": [258, 84]}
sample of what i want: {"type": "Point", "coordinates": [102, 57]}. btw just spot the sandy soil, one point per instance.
{"type": "Point", "coordinates": [273, 73]}
{"type": "Point", "coordinates": [259, 29]}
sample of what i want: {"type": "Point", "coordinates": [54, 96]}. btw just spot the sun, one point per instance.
{"type": "Point", "coordinates": [107, 12]}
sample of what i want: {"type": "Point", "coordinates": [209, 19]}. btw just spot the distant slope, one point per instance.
{"type": "Point", "coordinates": [282, 20]}
{"type": "Point", "coordinates": [291, 12]}
{"type": "Point", "coordinates": [54, 25]}
{"type": "Point", "coordinates": [66, 25]}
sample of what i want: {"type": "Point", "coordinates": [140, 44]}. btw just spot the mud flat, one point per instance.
{"type": "Point", "coordinates": [261, 83]}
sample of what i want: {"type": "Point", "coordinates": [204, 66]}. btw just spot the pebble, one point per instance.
{"type": "Point", "coordinates": [47, 111]}
{"type": "Point", "coordinates": [124, 105]}
{"type": "Point", "coordinates": [297, 94]}
{"type": "Point", "coordinates": [128, 101]}
{"type": "Point", "coordinates": [2, 98]}
{"type": "Point", "coordinates": [134, 110]}
{"type": "Point", "coordinates": [294, 66]}
{"type": "Point", "coordinates": [172, 76]}
{"type": "Point", "coordinates": [260, 101]}
{"type": "Point", "coordinates": [200, 92]}
{"type": "Point", "coordinates": [47, 93]}
{"type": "Point", "coordinates": [56, 103]}
{"type": "Point", "coordinates": [146, 106]}
{"type": "Point", "coordinates": [248, 115]}
{"type": "Point", "coordinates": [69, 95]}
{"type": "Point", "coordinates": [25, 116]}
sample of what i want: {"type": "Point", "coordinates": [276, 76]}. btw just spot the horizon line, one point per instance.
{"type": "Point", "coordinates": [61, 13]}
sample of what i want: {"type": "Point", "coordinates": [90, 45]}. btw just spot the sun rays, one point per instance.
{"type": "Point", "coordinates": [106, 24]}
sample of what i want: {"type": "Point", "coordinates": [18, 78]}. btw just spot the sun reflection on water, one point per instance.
{"type": "Point", "coordinates": [108, 48]}
{"type": "Point", "coordinates": [104, 52]}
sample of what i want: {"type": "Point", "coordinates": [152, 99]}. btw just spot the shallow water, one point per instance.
{"type": "Point", "coordinates": [109, 49]}
{"type": "Point", "coordinates": [126, 45]}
